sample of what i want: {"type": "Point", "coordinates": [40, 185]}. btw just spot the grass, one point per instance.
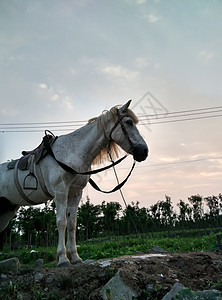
{"type": "Point", "coordinates": [28, 258]}
{"type": "Point", "coordinates": [128, 246]}
{"type": "Point", "coordinates": [117, 246]}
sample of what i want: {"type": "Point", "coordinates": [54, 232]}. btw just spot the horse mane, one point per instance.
{"type": "Point", "coordinates": [106, 116]}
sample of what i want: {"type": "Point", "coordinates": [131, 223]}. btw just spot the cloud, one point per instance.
{"type": "Point", "coordinates": [206, 56]}
{"type": "Point", "coordinates": [152, 18]}
{"type": "Point", "coordinates": [67, 103]}
{"type": "Point", "coordinates": [142, 62]}
{"type": "Point", "coordinates": [137, 2]}
{"type": "Point", "coordinates": [116, 71]}
{"type": "Point", "coordinates": [54, 97]}
{"type": "Point", "coordinates": [43, 86]}
{"type": "Point", "coordinates": [49, 91]}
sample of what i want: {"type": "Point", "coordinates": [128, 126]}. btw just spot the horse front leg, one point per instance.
{"type": "Point", "coordinates": [71, 214]}
{"type": "Point", "coordinates": [61, 220]}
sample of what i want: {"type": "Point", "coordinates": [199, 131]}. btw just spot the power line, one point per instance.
{"type": "Point", "coordinates": [185, 111]}
{"type": "Point", "coordinates": [40, 123]}
{"type": "Point", "coordinates": [180, 162]}
{"type": "Point", "coordinates": [177, 116]}
{"type": "Point", "coordinates": [166, 165]}
{"type": "Point", "coordinates": [180, 120]}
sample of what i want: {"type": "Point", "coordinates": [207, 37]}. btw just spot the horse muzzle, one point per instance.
{"type": "Point", "coordinates": [140, 152]}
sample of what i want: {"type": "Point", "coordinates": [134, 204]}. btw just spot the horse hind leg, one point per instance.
{"type": "Point", "coordinates": [7, 212]}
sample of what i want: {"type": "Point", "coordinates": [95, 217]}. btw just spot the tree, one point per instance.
{"type": "Point", "coordinates": [135, 219]}
{"type": "Point", "coordinates": [213, 205]}
{"type": "Point", "coordinates": [197, 202]}
{"type": "Point", "coordinates": [37, 226]}
{"type": "Point", "coordinates": [109, 221]}
{"type": "Point", "coordinates": [88, 220]}
{"type": "Point", "coordinates": [185, 214]}
{"type": "Point", "coordinates": [166, 211]}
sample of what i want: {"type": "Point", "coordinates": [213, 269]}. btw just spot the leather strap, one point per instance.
{"type": "Point", "coordinates": [42, 182]}
{"type": "Point", "coordinates": [119, 186]}
{"type": "Point", "coordinates": [72, 171]}
{"type": "Point", "coordinates": [18, 186]}
{"type": "Point", "coordinates": [93, 184]}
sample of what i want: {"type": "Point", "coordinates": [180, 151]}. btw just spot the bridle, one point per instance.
{"type": "Point", "coordinates": [119, 121]}
{"type": "Point", "coordinates": [91, 181]}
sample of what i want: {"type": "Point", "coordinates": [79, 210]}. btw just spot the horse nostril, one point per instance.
{"type": "Point", "coordinates": [140, 152]}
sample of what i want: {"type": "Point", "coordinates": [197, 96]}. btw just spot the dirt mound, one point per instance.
{"type": "Point", "coordinates": [150, 275]}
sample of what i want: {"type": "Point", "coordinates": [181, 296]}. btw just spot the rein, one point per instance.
{"type": "Point", "coordinates": [69, 169]}
{"type": "Point", "coordinates": [91, 181]}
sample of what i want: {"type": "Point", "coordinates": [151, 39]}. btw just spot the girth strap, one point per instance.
{"type": "Point", "coordinates": [42, 182]}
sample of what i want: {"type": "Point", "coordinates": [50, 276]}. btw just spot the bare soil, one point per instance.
{"type": "Point", "coordinates": [150, 276]}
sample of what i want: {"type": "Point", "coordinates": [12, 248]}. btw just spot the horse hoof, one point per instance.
{"type": "Point", "coordinates": [77, 262]}
{"type": "Point", "coordinates": [64, 265]}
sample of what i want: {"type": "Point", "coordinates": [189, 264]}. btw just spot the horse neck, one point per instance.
{"type": "Point", "coordinates": [82, 145]}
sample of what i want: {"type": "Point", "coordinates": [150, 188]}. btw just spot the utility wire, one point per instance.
{"type": "Point", "coordinates": [162, 118]}
{"type": "Point", "coordinates": [180, 120]}
{"type": "Point", "coordinates": [148, 116]}
{"type": "Point", "coordinates": [184, 111]}
{"type": "Point", "coordinates": [171, 115]}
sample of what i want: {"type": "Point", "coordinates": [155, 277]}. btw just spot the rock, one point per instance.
{"type": "Point", "coordinates": [149, 288]}
{"type": "Point", "coordinates": [208, 295]}
{"type": "Point", "coordinates": [105, 263]}
{"type": "Point", "coordinates": [186, 293]}
{"type": "Point", "coordinates": [49, 278]}
{"type": "Point", "coordinates": [39, 263]}
{"type": "Point", "coordinates": [11, 264]}
{"type": "Point", "coordinates": [89, 261]}
{"type": "Point", "coordinates": [158, 249]}
{"type": "Point", "coordinates": [116, 289]}
{"type": "Point", "coordinates": [39, 277]}
{"type": "Point", "coordinates": [173, 292]}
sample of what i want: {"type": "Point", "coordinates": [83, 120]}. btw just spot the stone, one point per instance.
{"type": "Point", "coordinates": [89, 261]}
{"type": "Point", "coordinates": [39, 277]}
{"type": "Point", "coordinates": [149, 288]}
{"type": "Point", "coordinates": [158, 249]}
{"type": "Point", "coordinates": [39, 263]}
{"type": "Point", "coordinates": [11, 264]}
{"type": "Point", "coordinates": [179, 292]}
{"type": "Point", "coordinates": [173, 292]}
{"type": "Point", "coordinates": [49, 279]}
{"type": "Point", "coordinates": [116, 289]}
{"type": "Point", "coordinates": [186, 293]}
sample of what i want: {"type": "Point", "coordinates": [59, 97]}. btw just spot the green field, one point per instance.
{"type": "Point", "coordinates": [116, 246]}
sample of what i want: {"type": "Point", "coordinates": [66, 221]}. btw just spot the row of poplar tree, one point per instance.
{"type": "Point", "coordinates": [35, 226]}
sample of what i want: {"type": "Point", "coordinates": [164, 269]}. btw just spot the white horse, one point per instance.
{"type": "Point", "coordinates": [59, 175]}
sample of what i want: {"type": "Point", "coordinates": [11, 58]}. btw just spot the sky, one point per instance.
{"type": "Point", "coordinates": [69, 60]}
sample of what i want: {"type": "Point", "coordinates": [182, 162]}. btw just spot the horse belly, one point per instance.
{"type": "Point", "coordinates": [9, 190]}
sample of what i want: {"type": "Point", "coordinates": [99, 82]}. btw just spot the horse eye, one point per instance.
{"type": "Point", "coordinates": [129, 122]}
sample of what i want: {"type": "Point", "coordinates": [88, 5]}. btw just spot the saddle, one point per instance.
{"type": "Point", "coordinates": [38, 153]}
{"type": "Point", "coordinates": [27, 162]}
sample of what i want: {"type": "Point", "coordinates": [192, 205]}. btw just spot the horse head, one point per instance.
{"type": "Point", "coordinates": [126, 135]}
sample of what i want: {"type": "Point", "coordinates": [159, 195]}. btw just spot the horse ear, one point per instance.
{"type": "Point", "coordinates": [123, 109]}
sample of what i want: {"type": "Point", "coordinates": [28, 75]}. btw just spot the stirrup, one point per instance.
{"type": "Point", "coordinates": [30, 181]}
